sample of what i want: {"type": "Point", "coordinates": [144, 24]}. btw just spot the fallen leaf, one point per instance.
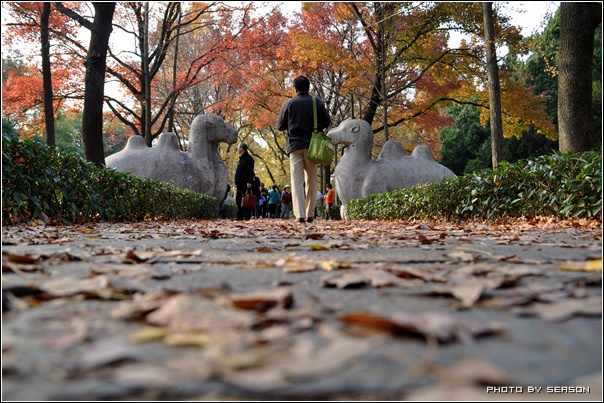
{"type": "Point", "coordinates": [590, 265]}
{"type": "Point", "coordinates": [66, 286]}
{"type": "Point", "coordinates": [182, 313]}
{"type": "Point", "coordinates": [331, 265]}
{"type": "Point", "coordinates": [148, 334]}
{"type": "Point", "coordinates": [143, 375]}
{"type": "Point", "coordinates": [263, 300]}
{"type": "Point", "coordinates": [186, 339]}
{"type": "Point", "coordinates": [561, 310]}
{"type": "Point", "coordinates": [105, 352]}
{"type": "Point", "coordinates": [442, 326]}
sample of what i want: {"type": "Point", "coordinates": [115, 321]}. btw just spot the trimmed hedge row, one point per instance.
{"type": "Point", "coordinates": [44, 183]}
{"type": "Point", "coordinates": [558, 185]}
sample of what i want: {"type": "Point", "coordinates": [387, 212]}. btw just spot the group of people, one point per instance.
{"type": "Point", "coordinates": [296, 118]}
{"type": "Point", "coordinates": [269, 203]}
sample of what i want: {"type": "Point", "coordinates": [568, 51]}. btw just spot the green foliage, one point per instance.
{"type": "Point", "coordinates": [8, 130]}
{"type": "Point", "coordinates": [466, 146]}
{"type": "Point", "coordinates": [68, 129]}
{"type": "Point", "coordinates": [558, 185]}
{"type": "Point", "coordinates": [40, 182]}
{"type": "Point", "coordinates": [462, 141]}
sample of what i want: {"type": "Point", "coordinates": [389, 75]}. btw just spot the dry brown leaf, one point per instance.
{"type": "Point", "coordinates": [562, 310]}
{"type": "Point", "coordinates": [66, 286]}
{"type": "Point", "coordinates": [442, 326]}
{"type": "Point", "coordinates": [331, 265]}
{"type": "Point", "coordinates": [468, 294]}
{"type": "Point", "coordinates": [417, 273]}
{"type": "Point", "coordinates": [182, 313]}
{"type": "Point", "coordinates": [105, 352]}
{"type": "Point", "coordinates": [145, 375]}
{"type": "Point", "coordinates": [20, 259]}
{"type": "Point", "coordinates": [74, 333]}
{"type": "Point", "coordinates": [359, 278]}
{"type": "Point", "coordinates": [296, 264]}
{"type": "Point", "coordinates": [263, 300]}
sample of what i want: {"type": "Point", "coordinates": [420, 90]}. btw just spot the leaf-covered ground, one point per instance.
{"type": "Point", "coordinates": [273, 309]}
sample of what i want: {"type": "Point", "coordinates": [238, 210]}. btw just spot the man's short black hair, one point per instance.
{"type": "Point", "coordinates": [243, 145]}
{"type": "Point", "coordinates": [302, 83]}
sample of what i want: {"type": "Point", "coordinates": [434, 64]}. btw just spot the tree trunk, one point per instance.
{"type": "Point", "coordinates": [494, 89]}
{"type": "Point", "coordinates": [49, 113]}
{"type": "Point", "coordinates": [146, 78]}
{"type": "Point", "coordinates": [94, 93]}
{"type": "Point", "coordinates": [174, 73]}
{"type": "Point", "coordinates": [578, 22]}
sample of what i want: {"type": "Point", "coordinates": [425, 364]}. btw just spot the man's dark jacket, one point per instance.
{"type": "Point", "coordinates": [296, 116]}
{"type": "Point", "coordinates": [245, 171]}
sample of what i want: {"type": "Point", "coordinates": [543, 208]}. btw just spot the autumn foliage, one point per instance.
{"type": "Point", "coordinates": [239, 62]}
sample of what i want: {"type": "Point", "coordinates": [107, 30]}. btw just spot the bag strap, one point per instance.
{"type": "Point", "coordinates": [314, 111]}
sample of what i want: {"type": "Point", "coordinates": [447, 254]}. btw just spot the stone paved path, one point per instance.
{"type": "Point", "coordinates": [276, 310]}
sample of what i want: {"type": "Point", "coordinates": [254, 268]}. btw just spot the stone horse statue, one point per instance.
{"type": "Point", "coordinates": [201, 169]}
{"type": "Point", "coordinates": [357, 175]}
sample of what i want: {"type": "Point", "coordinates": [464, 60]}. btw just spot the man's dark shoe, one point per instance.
{"type": "Point", "coordinates": [309, 219]}
{"type": "Point", "coordinates": [301, 220]}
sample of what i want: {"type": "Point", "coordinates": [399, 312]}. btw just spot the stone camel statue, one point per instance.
{"type": "Point", "coordinates": [201, 169]}
{"type": "Point", "coordinates": [357, 175]}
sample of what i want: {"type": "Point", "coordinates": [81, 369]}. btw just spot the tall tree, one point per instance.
{"type": "Point", "coordinates": [494, 87]}
{"type": "Point", "coordinates": [49, 114]}
{"type": "Point", "coordinates": [33, 93]}
{"type": "Point", "coordinates": [578, 23]}
{"type": "Point", "coordinates": [96, 61]}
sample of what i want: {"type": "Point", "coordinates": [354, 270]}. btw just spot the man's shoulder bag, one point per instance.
{"type": "Point", "coordinates": [321, 149]}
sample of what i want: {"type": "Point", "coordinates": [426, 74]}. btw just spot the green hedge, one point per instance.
{"type": "Point", "coordinates": [44, 183]}
{"type": "Point", "coordinates": [558, 185]}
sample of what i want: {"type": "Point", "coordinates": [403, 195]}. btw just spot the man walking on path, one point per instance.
{"type": "Point", "coordinates": [243, 180]}
{"type": "Point", "coordinates": [296, 117]}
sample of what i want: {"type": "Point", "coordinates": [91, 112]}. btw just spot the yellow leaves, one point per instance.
{"type": "Point", "coordinates": [330, 265]}
{"type": "Point", "coordinates": [148, 334]}
{"type": "Point", "coordinates": [176, 339]}
{"type": "Point", "coordinates": [590, 265]}
{"type": "Point", "coordinates": [186, 339]}
{"type": "Point", "coordinates": [299, 264]}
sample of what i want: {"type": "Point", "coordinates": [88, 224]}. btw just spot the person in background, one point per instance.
{"type": "Point", "coordinates": [244, 176]}
{"type": "Point", "coordinates": [296, 117]}
{"type": "Point", "coordinates": [263, 202]}
{"type": "Point", "coordinates": [329, 198]}
{"type": "Point", "coordinates": [286, 202]}
{"type": "Point", "coordinates": [256, 187]}
{"type": "Point", "coordinates": [221, 205]}
{"type": "Point", "coordinates": [274, 198]}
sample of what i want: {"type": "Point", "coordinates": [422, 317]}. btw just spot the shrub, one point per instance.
{"type": "Point", "coordinates": [40, 182]}
{"type": "Point", "coordinates": [559, 185]}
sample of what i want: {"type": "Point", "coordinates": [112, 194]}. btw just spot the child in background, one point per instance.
{"type": "Point", "coordinates": [329, 197]}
